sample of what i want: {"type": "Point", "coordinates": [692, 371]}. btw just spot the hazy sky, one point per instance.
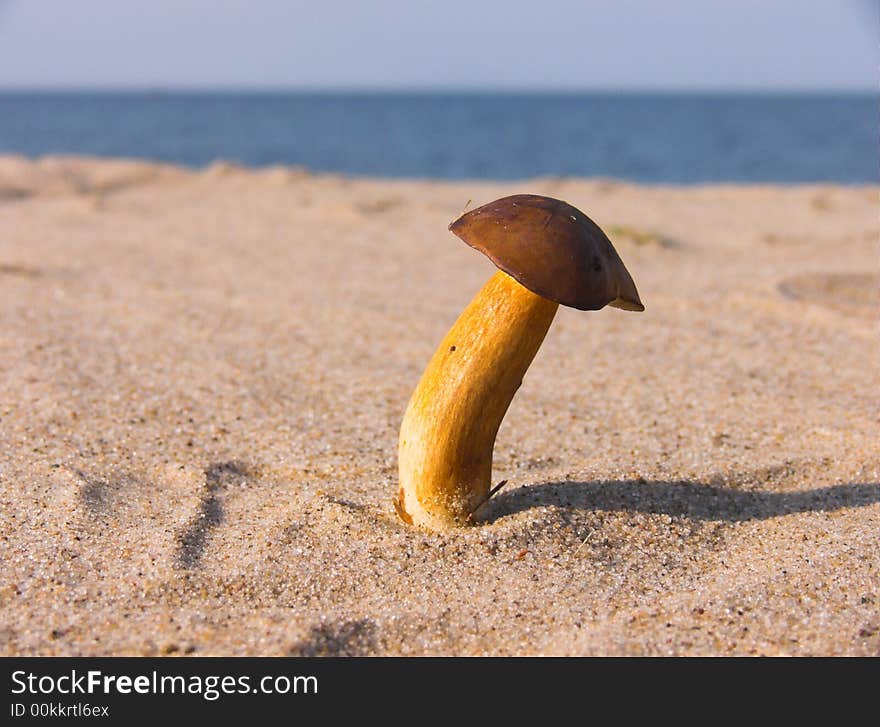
{"type": "Point", "coordinates": [608, 44]}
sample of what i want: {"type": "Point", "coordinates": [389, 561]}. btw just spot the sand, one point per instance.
{"type": "Point", "coordinates": [202, 374]}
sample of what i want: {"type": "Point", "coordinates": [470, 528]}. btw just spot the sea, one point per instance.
{"type": "Point", "coordinates": [652, 138]}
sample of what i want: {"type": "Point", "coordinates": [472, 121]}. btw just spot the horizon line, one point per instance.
{"type": "Point", "coordinates": [438, 90]}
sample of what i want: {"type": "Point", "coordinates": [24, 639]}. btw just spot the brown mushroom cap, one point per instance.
{"type": "Point", "coordinates": [551, 248]}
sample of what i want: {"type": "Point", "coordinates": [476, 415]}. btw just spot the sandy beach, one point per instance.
{"type": "Point", "coordinates": [203, 373]}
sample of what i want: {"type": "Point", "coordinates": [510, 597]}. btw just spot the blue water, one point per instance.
{"type": "Point", "coordinates": [645, 138]}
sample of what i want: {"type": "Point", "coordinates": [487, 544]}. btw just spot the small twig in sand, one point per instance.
{"type": "Point", "coordinates": [494, 490]}
{"type": "Point", "coordinates": [589, 535]}
{"type": "Point", "coordinates": [641, 550]}
{"type": "Point", "coordinates": [488, 497]}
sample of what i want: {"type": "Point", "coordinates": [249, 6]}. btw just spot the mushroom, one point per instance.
{"type": "Point", "coordinates": [547, 253]}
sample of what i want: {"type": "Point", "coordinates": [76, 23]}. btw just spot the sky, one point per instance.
{"type": "Point", "coordinates": [796, 45]}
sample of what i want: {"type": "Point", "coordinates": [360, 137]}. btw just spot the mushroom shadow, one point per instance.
{"type": "Point", "coordinates": [689, 499]}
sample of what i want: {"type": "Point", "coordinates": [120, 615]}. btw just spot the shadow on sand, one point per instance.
{"type": "Point", "coordinates": [695, 500]}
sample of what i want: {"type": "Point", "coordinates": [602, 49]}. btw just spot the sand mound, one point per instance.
{"type": "Point", "coordinates": [851, 293]}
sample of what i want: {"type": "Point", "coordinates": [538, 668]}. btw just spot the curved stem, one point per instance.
{"type": "Point", "coordinates": [448, 431]}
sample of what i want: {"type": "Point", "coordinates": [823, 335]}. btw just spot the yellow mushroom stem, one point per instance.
{"type": "Point", "coordinates": [448, 431]}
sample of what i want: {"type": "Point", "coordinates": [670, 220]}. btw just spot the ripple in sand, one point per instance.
{"type": "Point", "coordinates": [193, 541]}
{"type": "Point", "coordinates": [639, 237]}
{"type": "Point", "coordinates": [381, 204]}
{"type": "Point", "coordinates": [850, 293]}
{"type": "Point", "coordinates": [11, 194]}
{"type": "Point", "coordinates": [23, 271]}
{"type": "Point", "coordinates": [346, 638]}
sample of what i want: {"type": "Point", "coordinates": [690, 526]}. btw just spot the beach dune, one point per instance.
{"type": "Point", "coordinates": [202, 376]}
